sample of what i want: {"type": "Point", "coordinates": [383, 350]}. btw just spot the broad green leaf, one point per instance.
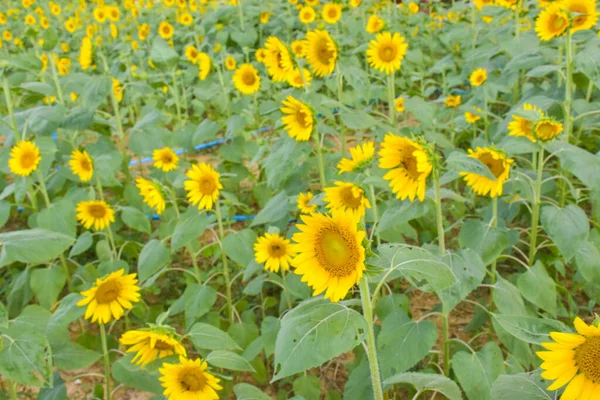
{"type": "Point", "coordinates": [83, 243]}
{"type": "Point", "coordinates": [207, 130]}
{"type": "Point", "coordinates": [357, 119]}
{"type": "Point", "coordinates": [4, 212]}
{"type": "Point", "coordinates": [476, 372]}
{"type": "Point", "coordinates": [567, 227]}
{"type": "Point", "coordinates": [205, 336]}
{"type": "Point", "coordinates": [460, 162]}
{"type": "Point", "coordinates": [96, 90]}
{"type": "Point", "coordinates": [131, 375]}
{"type": "Point", "coordinates": [47, 283]}
{"type": "Point", "coordinates": [586, 258]}
{"type": "Point", "coordinates": [17, 245]}
{"type": "Point", "coordinates": [245, 391]}
{"type": "Point", "coordinates": [71, 356]}
{"type": "Point", "coordinates": [153, 256]}
{"type": "Point", "coordinates": [135, 219]}
{"type": "Point", "coordinates": [191, 225]}
{"type": "Point", "coordinates": [244, 333]}
{"type": "Point", "coordinates": [235, 125]}
{"type": "Point", "coordinates": [274, 210]}
{"type": "Point", "coordinates": [469, 271]}
{"type": "Point", "coordinates": [59, 217]}
{"type": "Point", "coordinates": [530, 329]}
{"type": "Point", "coordinates": [198, 300]}
{"type": "Point", "coordinates": [228, 360]}
{"type": "Point", "coordinates": [427, 382]}
{"type": "Point", "coordinates": [58, 391]}
{"type": "Point", "coordinates": [524, 386]}
{"type": "Point", "coordinates": [4, 316]}
{"type": "Point", "coordinates": [162, 55]}
{"type": "Point", "coordinates": [538, 287]}
{"type": "Point", "coordinates": [269, 328]}
{"type": "Point", "coordinates": [314, 332]}
{"type": "Point", "coordinates": [581, 163]}
{"type": "Point", "coordinates": [401, 212]}
{"type": "Point", "coordinates": [507, 298]}
{"type": "Point", "coordinates": [78, 119]}
{"type": "Point", "coordinates": [487, 241]}
{"type": "Point", "coordinates": [308, 386]}
{"type": "Point", "coordinates": [239, 246]}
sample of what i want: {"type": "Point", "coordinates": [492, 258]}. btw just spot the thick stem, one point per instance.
{"type": "Point", "coordinates": [438, 212]}
{"type": "Point", "coordinates": [590, 90]}
{"type": "Point", "coordinates": [225, 266]}
{"type": "Point", "coordinates": [391, 95]}
{"type": "Point", "coordinates": [320, 159]}
{"type": "Point", "coordinates": [194, 263]}
{"type": "Point", "coordinates": [288, 299]}
{"type": "Point", "coordinates": [9, 106]}
{"type": "Point", "coordinates": [365, 298]}
{"type": "Point", "coordinates": [517, 20]}
{"type": "Point", "coordinates": [225, 93]}
{"type": "Point", "coordinates": [535, 213]}
{"type": "Point", "coordinates": [568, 86]}
{"type": "Point", "coordinates": [59, 92]}
{"type": "Point", "coordinates": [446, 344]}
{"type": "Point", "coordinates": [12, 390]}
{"type": "Point", "coordinates": [375, 213]}
{"type": "Point", "coordinates": [176, 96]}
{"type": "Point", "coordinates": [106, 361]}
{"type": "Point", "coordinates": [241, 14]}
{"type": "Point", "coordinates": [493, 275]}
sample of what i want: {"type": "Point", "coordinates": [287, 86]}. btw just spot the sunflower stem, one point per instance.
{"type": "Point", "coordinates": [371, 349]}
{"type": "Point", "coordinates": [568, 86]}
{"type": "Point", "coordinates": [59, 92]}
{"type": "Point", "coordinates": [176, 95]}
{"type": "Point", "coordinates": [446, 344]}
{"type": "Point", "coordinates": [438, 212]}
{"type": "Point", "coordinates": [106, 361]}
{"type": "Point", "coordinates": [285, 289]}
{"type": "Point", "coordinates": [340, 89]}
{"type": "Point", "coordinates": [486, 121]}
{"type": "Point", "coordinates": [535, 207]}
{"type": "Point", "coordinates": [517, 21]}
{"type": "Point", "coordinates": [391, 93]}
{"type": "Point", "coordinates": [194, 263]}
{"type": "Point", "coordinates": [493, 276]}
{"type": "Point", "coordinates": [320, 159]}
{"type": "Point", "coordinates": [12, 389]}
{"type": "Point", "coordinates": [375, 214]}
{"type": "Point", "coordinates": [241, 14]}
{"type": "Point", "coordinates": [225, 266]}
{"type": "Point", "coordinates": [11, 111]}
{"type": "Point", "coordinates": [225, 94]}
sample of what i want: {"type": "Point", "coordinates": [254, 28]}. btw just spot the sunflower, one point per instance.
{"type": "Point", "coordinates": [354, 3]}
{"type": "Point", "coordinates": [552, 21]}
{"type": "Point", "coordinates": [299, 48]}
{"type": "Point", "coordinates": [473, 117]}
{"type": "Point", "coordinates": [70, 25]}
{"type": "Point", "coordinates": [399, 104]}
{"type": "Point", "coordinates": [203, 186]}
{"type": "Point", "coordinates": [265, 16]}
{"type": "Point", "coordinates": [189, 380]}
{"type": "Point", "coordinates": [478, 77]}
{"type": "Point", "coordinates": [7, 35]}
{"type": "Point", "coordinates": [409, 166]}
{"type": "Point", "coordinates": [113, 13]}
{"type": "Point", "coordinates": [583, 13]}
{"type": "Point", "coordinates": [260, 55]}
{"type": "Point", "coordinates": [312, 3]}
{"type": "Point", "coordinates": [298, 119]}
{"type": "Point", "coordinates": [186, 19]}
{"type": "Point", "coordinates": [330, 257]}
{"type": "Point", "coordinates": [117, 89]}
{"type": "Point", "coordinates": [85, 53]}
{"type": "Point", "coordinates": [151, 344]}
{"type": "Point", "coordinates": [274, 251]}
{"type": "Point", "coordinates": [165, 159]}
{"type": "Point", "coordinates": [99, 14]}
{"type": "Point", "coordinates": [230, 63]}
{"type": "Point", "coordinates": [453, 101]}
{"type": "Point", "coordinates": [24, 158]}
{"type": "Point", "coordinates": [299, 79]}
{"type": "Point", "coordinates": [374, 24]}
{"type": "Point", "coordinates": [203, 65]}
{"type": "Point", "coordinates": [278, 59]}
{"type": "Point", "coordinates": [482, 3]}
{"type": "Point", "coordinates": [321, 52]}
{"type": "Point", "coordinates": [151, 193]}
{"type": "Point", "coordinates": [386, 52]}
{"type": "Point", "coordinates": [361, 156]}
{"type": "Point", "coordinates": [165, 30]}
{"type": "Point", "coordinates": [547, 129]}
{"type": "Point", "coordinates": [573, 359]}
{"type": "Point", "coordinates": [96, 213]}
{"type": "Point", "coordinates": [499, 166]}
{"type": "Point", "coordinates": [520, 126]}
{"type": "Point", "coordinates": [81, 165]}
{"type": "Point", "coordinates": [110, 296]}
{"type": "Point", "coordinates": [348, 197]}
{"type": "Point", "coordinates": [307, 15]}
{"type": "Point", "coordinates": [246, 79]}
{"type": "Point", "coordinates": [413, 8]}
{"type": "Point", "coordinates": [332, 12]}
{"type": "Point", "coordinates": [191, 53]}
{"type": "Point", "coordinates": [304, 205]}
{"type": "Point", "coordinates": [29, 20]}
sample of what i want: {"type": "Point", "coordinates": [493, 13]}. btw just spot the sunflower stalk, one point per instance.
{"type": "Point", "coordinates": [176, 96]}
{"type": "Point", "coordinates": [225, 94]}
{"type": "Point", "coordinates": [371, 348]}
{"type": "Point", "coordinates": [241, 14]}
{"type": "Point", "coordinates": [391, 93]}
{"type": "Point", "coordinates": [340, 89]}
{"type": "Point", "coordinates": [320, 159]}
{"type": "Point", "coordinates": [224, 260]}
{"type": "Point", "coordinates": [106, 361]}
{"type": "Point", "coordinates": [568, 86]}
{"type": "Point", "coordinates": [288, 299]}
{"type": "Point", "coordinates": [535, 207]}
{"type": "Point", "coordinates": [493, 274]}
{"type": "Point", "coordinates": [59, 92]}
{"type": "Point", "coordinates": [12, 390]}
{"type": "Point", "coordinates": [11, 111]}
{"type": "Point", "coordinates": [375, 214]}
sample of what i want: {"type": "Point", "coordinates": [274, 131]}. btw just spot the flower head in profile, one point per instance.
{"type": "Point", "coordinates": [473, 116]}
{"type": "Point", "coordinates": [478, 77]}
{"type": "Point", "coordinates": [274, 251]}
{"type": "Point", "coordinates": [332, 12]}
{"type": "Point", "coordinates": [453, 100]}
{"type": "Point", "coordinates": [330, 256]}
{"type": "Point", "coordinates": [304, 203]}
{"type": "Point", "coordinates": [553, 21]}
{"type": "Point", "coordinates": [189, 379]}
{"type": "Point", "coordinates": [246, 79]}
{"type": "Point", "coordinates": [386, 52]}
{"type": "Point", "coordinates": [278, 59]}
{"type": "Point", "coordinates": [299, 79]}
{"type": "Point", "coordinates": [81, 165]}
{"type": "Point", "coordinates": [583, 14]}
{"type": "Point", "coordinates": [297, 120]}
{"type": "Point", "coordinates": [203, 65]}
{"type": "Point", "coordinates": [95, 213]}
{"type": "Point", "coordinates": [321, 52]}
{"type": "Point", "coordinates": [522, 126]}
{"type": "Point", "coordinates": [85, 53]}
{"type": "Point", "coordinates": [547, 129]}
{"type": "Point", "coordinates": [24, 158]}
{"type": "Point", "coordinates": [360, 156]}
{"type": "Point", "coordinates": [150, 344]}
{"type": "Point", "coordinates": [165, 159]}
{"type": "Point", "coordinates": [374, 24]}
{"type": "Point", "coordinates": [151, 194]}
{"type": "Point", "coordinates": [348, 197]}
{"type": "Point", "coordinates": [110, 297]}
{"type": "Point", "coordinates": [498, 165]}
{"type": "Point", "coordinates": [203, 186]}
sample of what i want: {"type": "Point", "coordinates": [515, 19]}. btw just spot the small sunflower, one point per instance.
{"type": "Point", "coordinates": [520, 126]}
{"type": "Point", "coordinates": [230, 63]}
{"type": "Point", "coordinates": [304, 205]}
{"type": "Point", "coordinates": [24, 158]}
{"type": "Point", "coordinates": [165, 159]}
{"type": "Point", "coordinates": [478, 77]}
{"type": "Point", "coordinates": [583, 13]}
{"type": "Point", "coordinates": [265, 16]}
{"type": "Point", "coordinates": [189, 379]}
{"type": "Point", "coordinates": [321, 52]}
{"type": "Point", "coordinates": [299, 48]}
{"type": "Point", "coordinates": [299, 79]}
{"type": "Point", "coordinates": [332, 12]}
{"type": "Point", "coordinates": [374, 24]}
{"type": "Point", "coordinates": [99, 14]}
{"type": "Point", "coordinates": [330, 257]}
{"type": "Point", "coordinates": [191, 53]}
{"type": "Point", "coordinates": [354, 3]}
{"type": "Point", "coordinates": [399, 104]}
{"type": "Point", "coordinates": [409, 166]}
{"type": "Point", "coordinates": [260, 55]}
{"type": "Point", "coordinates": [552, 21]}
{"type": "Point", "coordinates": [482, 3]}
{"type": "Point", "coordinates": [186, 19]}
{"type": "Point", "coordinates": [278, 60]}
{"type": "Point", "coordinates": [110, 297]}
{"type": "Point", "coordinates": [298, 119]}
{"type": "Point", "coordinates": [274, 251]}
{"type": "Point", "coordinates": [203, 65]}
{"type": "Point", "coordinates": [152, 194]}
{"type": "Point", "coordinates": [96, 213]}
{"type": "Point", "coordinates": [85, 53]}
{"type": "Point", "coordinates": [499, 166]}
{"type": "Point", "coordinates": [307, 15]}
{"type": "Point", "coordinates": [81, 165]}
{"type": "Point", "coordinates": [547, 129]}
{"type": "Point", "coordinates": [348, 197]}
{"type": "Point", "coordinates": [473, 116]}
{"type": "Point", "coordinates": [151, 344]}
{"type": "Point", "coordinates": [572, 358]}
{"type": "Point", "coordinates": [453, 100]}
{"type": "Point", "coordinates": [413, 8]}
{"type": "Point", "coordinates": [165, 30]}
{"type": "Point", "coordinates": [361, 156]}
{"type": "Point", "coordinates": [203, 187]}
{"type": "Point", "coordinates": [312, 3]}
{"type": "Point", "coordinates": [246, 79]}
{"type": "Point", "coordinates": [386, 52]}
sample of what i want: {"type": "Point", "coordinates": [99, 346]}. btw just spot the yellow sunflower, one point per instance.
{"type": "Point", "coordinates": [304, 205]}
{"type": "Point", "coordinates": [274, 251]}
{"type": "Point", "coordinates": [191, 53]}
{"type": "Point", "coordinates": [265, 16]}
{"type": "Point", "coordinates": [99, 14]}
{"type": "Point", "coordinates": [189, 379]}
{"type": "Point", "coordinates": [472, 117]}
{"type": "Point", "coordinates": [203, 187]}
{"type": "Point", "coordinates": [553, 21]}
{"type": "Point", "coordinates": [399, 104]}
{"type": "Point", "coordinates": [24, 158]}
{"type": "Point", "coordinates": [332, 12]}
{"type": "Point", "coordinates": [413, 8]}
{"type": "Point", "coordinates": [186, 19]}
{"type": "Point", "coordinates": [298, 119]}
{"type": "Point", "coordinates": [299, 79]}
{"type": "Point", "coordinates": [260, 55]}
{"type": "Point", "coordinates": [547, 129]}
{"type": "Point", "coordinates": [354, 3]}
{"type": "Point", "coordinates": [520, 126]}
{"type": "Point", "coordinates": [478, 77]}
{"type": "Point", "coordinates": [409, 166]}
{"type": "Point", "coordinates": [499, 166]}
{"type": "Point", "coordinates": [113, 13]}
{"type": "Point", "coordinates": [151, 344]}
{"type": "Point", "coordinates": [81, 165]}
{"type": "Point", "coordinates": [165, 30]}
{"type": "Point", "coordinates": [361, 156]}
{"type": "Point", "coordinates": [572, 358]}
{"type": "Point", "coordinates": [482, 3]}
{"type": "Point", "coordinates": [165, 159]}
{"type": "Point", "coordinates": [453, 101]}
{"type": "Point", "coordinates": [374, 24]}
{"type": "Point", "coordinates": [307, 15]}
{"type": "Point", "coordinates": [299, 48]}
{"type": "Point", "coordinates": [321, 52]}
{"type": "Point", "coordinates": [246, 79]}
{"type": "Point", "coordinates": [583, 14]}
{"type": "Point", "coordinates": [348, 197]}
{"type": "Point", "coordinates": [117, 89]}
{"type": "Point", "coordinates": [230, 63]}
{"type": "Point", "coordinates": [330, 257]}
{"type": "Point", "coordinates": [110, 297]}
{"type": "Point", "coordinates": [151, 193]}
{"type": "Point", "coordinates": [312, 3]}
{"type": "Point", "coordinates": [278, 59]}
{"type": "Point", "coordinates": [203, 65]}
{"type": "Point", "coordinates": [85, 53]}
{"type": "Point", "coordinates": [386, 52]}
{"type": "Point", "coordinates": [96, 213]}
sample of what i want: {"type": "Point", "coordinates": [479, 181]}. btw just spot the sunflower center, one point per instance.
{"type": "Point", "coordinates": [207, 186]}
{"type": "Point", "coordinates": [160, 345]}
{"type": "Point", "coordinates": [27, 159]}
{"type": "Point", "coordinates": [558, 22]}
{"type": "Point", "coordinates": [302, 119]}
{"type": "Point", "coordinates": [166, 30]}
{"type": "Point", "coordinates": [350, 200]}
{"type": "Point", "coordinates": [324, 53]}
{"type": "Point", "coordinates": [248, 78]}
{"type": "Point", "coordinates": [85, 164]}
{"type": "Point", "coordinates": [332, 13]}
{"type": "Point", "coordinates": [336, 251]}
{"type": "Point", "coordinates": [107, 292]}
{"type": "Point", "coordinates": [545, 131]}
{"type": "Point", "coordinates": [97, 210]}
{"type": "Point", "coordinates": [387, 52]}
{"type": "Point", "coordinates": [409, 163]}
{"type": "Point", "coordinates": [587, 358]}
{"type": "Point", "coordinates": [167, 159]}
{"type": "Point", "coordinates": [496, 166]}
{"type": "Point", "coordinates": [192, 380]}
{"type": "Point", "coordinates": [277, 250]}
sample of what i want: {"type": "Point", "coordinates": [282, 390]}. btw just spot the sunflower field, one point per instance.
{"type": "Point", "coordinates": [300, 199]}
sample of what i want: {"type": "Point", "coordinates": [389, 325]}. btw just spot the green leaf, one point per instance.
{"type": "Point", "coordinates": [308, 386]}
{"type": "Point", "coordinates": [524, 386]}
{"type": "Point", "coordinates": [50, 39]}
{"type": "Point", "coordinates": [567, 227]}
{"type": "Point", "coordinates": [47, 283]}
{"type": "Point", "coordinates": [586, 258]}
{"type": "Point", "coordinates": [205, 336]}
{"type": "Point", "coordinates": [274, 210]}
{"type": "Point", "coordinates": [4, 212]}
{"type": "Point", "coordinates": [96, 90]}
{"type": "Point", "coordinates": [460, 162]}
{"type": "Point", "coordinates": [78, 119]}
{"type": "Point", "coordinates": [488, 241]}
{"type": "Point", "coordinates": [162, 55]}
{"type": "Point", "coordinates": [191, 225]}
{"type": "Point", "coordinates": [58, 391]}
{"type": "Point", "coordinates": [425, 382]}
{"type": "Point", "coordinates": [59, 217]}
{"type": "Point", "coordinates": [235, 125]}
{"type": "Point", "coordinates": [529, 329]}
{"type": "Point", "coordinates": [507, 298]}
{"type": "Point", "coordinates": [581, 163]}
{"type": "Point", "coordinates": [314, 332]}
{"type": "Point", "coordinates": [17, 245]}
{"type": "Point", "coordinates": [239, 246]}
{"type": "Point", "coordinates": [476, 372]}
{"type": "Point", "coordinates": [152, 257]}
{"type": "Point", "coordinates": [3, 316]}
{"type": "Point", "coordinates": [83, 243]}
{"type": "Point", "coordinates": [70, 356]}
{"type": "Point", "coordinates": [228, 360]}
{"type": "Point", "coordinates": [207, 130]}
{"type": "Point", "coordinates": [401, 212]}
{"type": "Point", "coordinates": [130, 375]}
{"type": "Point", "coordinates": [268, 330]}
{"type": "Point", "coordinates": [135, 219]}
{"type": "Point", "coordinates": [469, 271]}
{"type": "Point", "coordinates": [198, 300]}
{"type": "Point", "coordinates": [538, 287]}
{"type": "Point", "coordinates": [245, 38]}
{"type": "Point", "coordinates": [245, 391]}
{"type": "Point", "coordinates": [357, 119]}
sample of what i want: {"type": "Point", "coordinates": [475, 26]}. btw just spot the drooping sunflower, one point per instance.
{"type": "Point", "coordinates": [330, 257]}
{"type": "Point", "coordinates": [299, 79]}
{"type": "Point", "coordinates": [361, 155]}
{"type": "Point", "coordinates": [165, 30]}
{"type": "Point", "coordinates": [307, 15]}
{"type": "Point", "coordinates": [81, 165]}
{"type": "Point", "coordinates": [278, 60]}
{"type": "Point", "coordinates": [230, 63]}
{"type": "Point", "coordinates": [165, 159]}
{"type": "Point", "coordinates": [117, 89]}
{"type": "Point", "coordinates": [348, 197]}
{"type": "Point", "coordinates": [321, 52]}
{"type": "Point", "coordinates": [409, 166]}
{"type": "Point", "coordinates": [478, 77]}
{"type": "Point", "coordinates": [85, 53]}
{"type": "Point", "coordinates": [399, 104]}
{"type": "Point", "coordinates": [150, 344]}
{"type": "Point", "coordinates": [246, 79]}
{"type": "Point", "coordinates": [24, 158]}
{"type": "Point", "coordinates": [274, 251]}
{"type": "Point", "coordinates": [583, 14]}
{"type": "Point", "coordinates": [152, 194]}
{"type": "Point", "coordinates": [547, 129]}
{"type": "Point", "coordinates": [552, 21]}
{"type": "Point", "coordinates": [386, 52]}
{"type": "Point", "coordinates": [332, 12]}
{"type": "Point", "coordinates": [110, 297]}
{"type": "Point", "coordinates": [298, 119]}
{"type": "Point", "coordinates": [189, 379]}
{"type": "Point", "coordinates": [520, 126]}
{"type": "Point", "coordinates": [374, 24]}
{"type": "Point", "coordinates": [96, 213]}
{"type": "Point", "coordinates": [572, 358]}
{"type": "Point", "coordinates": [265, 16]}
{"type": "Point", "coordinates": [499, 166]}
{"type": "Point", "coordinates": [453, 100]}
{"type": "Point", "coordinates": [203, 187]}
{"type": "Point", "coordinates": [304, 205]}
{"type": "Point", "coordinates": [203, 65]}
